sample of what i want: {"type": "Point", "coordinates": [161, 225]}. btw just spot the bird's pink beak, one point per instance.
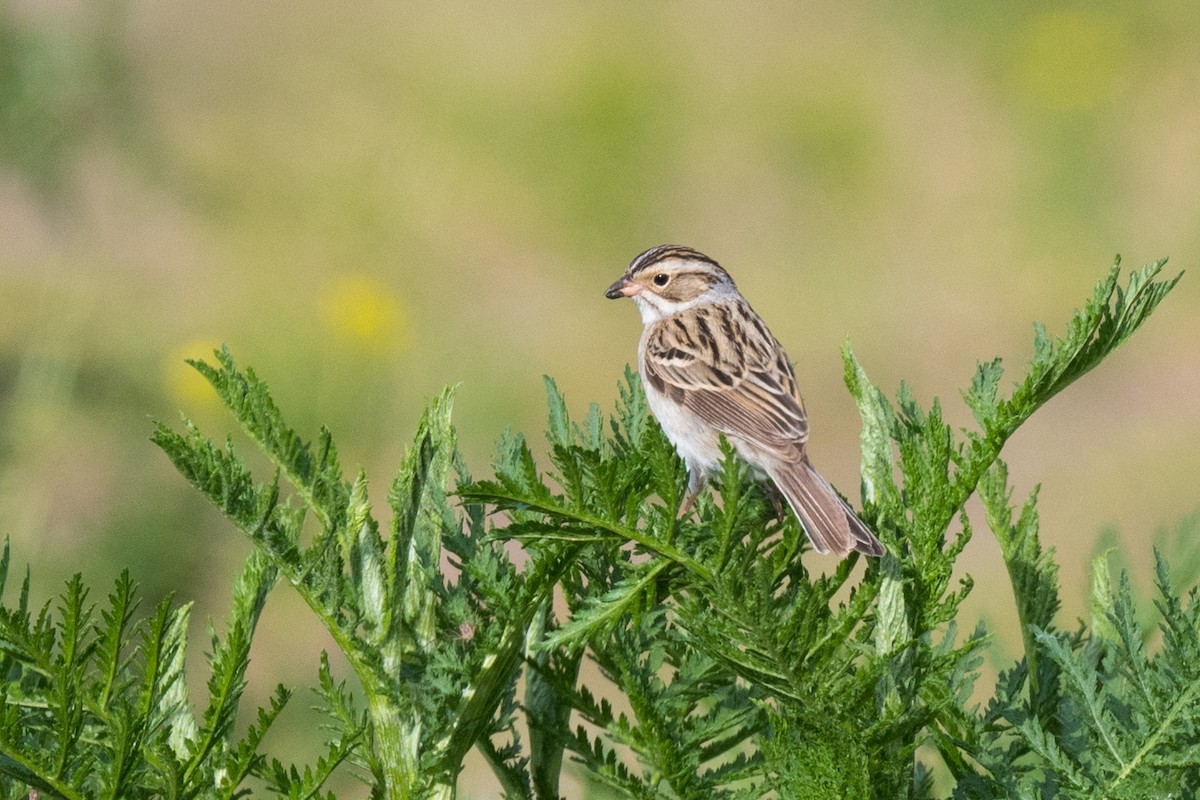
{"type": "Point", "coordinates": [623, 288]}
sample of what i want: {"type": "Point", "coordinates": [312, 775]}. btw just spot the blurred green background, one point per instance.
{"type": "Point", "coordinates": [371, 202]}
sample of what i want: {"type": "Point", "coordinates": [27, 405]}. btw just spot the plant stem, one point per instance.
{"type": "Point", "coordinates": [396, 739]}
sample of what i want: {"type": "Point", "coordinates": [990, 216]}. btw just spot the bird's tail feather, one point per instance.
{"type": "Point", "coordinates": [830, 523]}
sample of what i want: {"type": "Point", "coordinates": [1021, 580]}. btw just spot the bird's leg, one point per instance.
{"type": "Point", "coordinates": [688, 502]}
{"type": "Point", "coordinates": [776, 498]}
{"type": "Point", "coordinates": [696, 483]}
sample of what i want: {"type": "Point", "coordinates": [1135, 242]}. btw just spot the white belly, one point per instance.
{"type": "Point", "coordinates": [697, 443]}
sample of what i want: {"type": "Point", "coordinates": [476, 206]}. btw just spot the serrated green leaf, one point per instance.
{"type": "Point", "coordinates": [981, 397]}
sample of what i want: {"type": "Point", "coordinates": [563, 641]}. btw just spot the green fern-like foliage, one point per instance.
{"type": "Point", "coordinates": [728, 667]}
{"type": "Point", "coordinates": [748, 674]}
{"type": "Point", "coordinates": [431, 694]}
{"type": "Point", "coordinates": [1124, 723]}
{"type": "Point", "coordinates": [95, 703]}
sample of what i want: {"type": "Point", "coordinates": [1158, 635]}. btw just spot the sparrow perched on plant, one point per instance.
{"type": "Point", "coordinates": [709, 367]}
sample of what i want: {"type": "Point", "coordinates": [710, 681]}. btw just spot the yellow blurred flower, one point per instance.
{"type": "Point", "coordinates": [186, 387]}
{"type": "Point", "coordinates": [363, 312]}
{"type": "Point", "coordinates": [1069, 59]}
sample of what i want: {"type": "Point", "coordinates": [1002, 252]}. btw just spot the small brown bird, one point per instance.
{"type": "Point", "coordinates": [709, 367]}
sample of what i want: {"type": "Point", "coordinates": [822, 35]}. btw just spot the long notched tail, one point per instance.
{"type": "Point", "coordinates": [831, 525]}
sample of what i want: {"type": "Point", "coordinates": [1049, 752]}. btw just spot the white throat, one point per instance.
{"type": "Point", "coordinates": [653, 308]}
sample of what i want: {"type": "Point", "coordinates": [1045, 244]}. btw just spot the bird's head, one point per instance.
{"type": "Point", "coordinates": [670, 278]}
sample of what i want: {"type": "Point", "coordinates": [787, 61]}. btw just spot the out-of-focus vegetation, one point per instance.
{"type": "Point", "coordinates": [373, 203]}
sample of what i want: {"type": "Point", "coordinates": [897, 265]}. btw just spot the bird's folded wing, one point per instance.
{"type": "Point", "coordinates": [747, 394]}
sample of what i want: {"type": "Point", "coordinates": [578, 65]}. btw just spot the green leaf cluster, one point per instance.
{"type": "Point", "coordinates": [667, 658]}
{"type": "Point", "coordinates": [430, 692]}
{"type": "Point", "coordinates": [96, 703]}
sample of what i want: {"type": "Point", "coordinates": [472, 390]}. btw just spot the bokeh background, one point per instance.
{"type": "Point", "coordinates": [370, 202]}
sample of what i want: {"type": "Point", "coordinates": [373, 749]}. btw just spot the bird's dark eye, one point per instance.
{"type": "Point", "coordinates": [661, 279]}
